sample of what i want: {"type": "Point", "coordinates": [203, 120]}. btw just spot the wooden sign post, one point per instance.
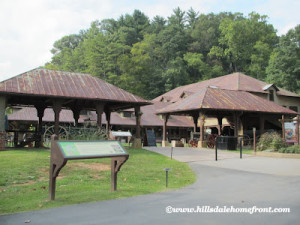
{"type": "Point", "coordinates": [62, 151]}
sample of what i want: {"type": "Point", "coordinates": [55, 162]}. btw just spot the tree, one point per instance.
{"type": "Point", "coordinates": [157, 25]}
{"type": "Point", "coordinates": [243, 40]}
{"type": "Point", "coordinates": [284, 65]}
{"type": "Point", "coordinates": [140, 73]}
{"type": "Point", "coordinates": [191, 18]}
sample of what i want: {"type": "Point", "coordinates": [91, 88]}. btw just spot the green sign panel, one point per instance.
{"type": "Point", "coordinates": [79, 149]}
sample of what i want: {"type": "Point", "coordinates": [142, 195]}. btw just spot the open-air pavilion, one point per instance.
{"type": "Point", "coordinates": [42, 88]}
{"type": "Point", "coordinates": [242, 110]}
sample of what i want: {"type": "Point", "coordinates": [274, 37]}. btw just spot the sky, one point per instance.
{"type": "Point", "coordinates": [30, 27]}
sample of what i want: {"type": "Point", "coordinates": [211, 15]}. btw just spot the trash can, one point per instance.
{"type": "Point", "coordinates": [226, 143]}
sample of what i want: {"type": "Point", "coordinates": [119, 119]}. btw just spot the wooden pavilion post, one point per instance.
{"type": "Point", "coordinates": [220, 131]}
{"type": "Point", "coordinates": [195, 119]}
{"type": "Point", "coordinates": [107, 114]}
{"type": "Point", "coordinates": [282, 127]}
{"type": "Point", "coordinates": [261, 124]}
{"type": "Point", "coordinates": [2, 122]}
{"type": "Point", "coordinates": [164, 142]}
{"type": "Point", "coordinates": [236, 125]}
{"type": "Point", "coordinates": [57, 104]}
{"type": "Point", "coordinates": [76, 113]}
{"type": "Point", "coordinates": [99, 111]}
{"type": "Point", "coordinates": [297, 129]}
{"type": "Point", "coordinates": [137, 142]}
{"type": "Point", "coordinates": [201, 142]}
{"type": "Point", "coordinates": [40, 108]}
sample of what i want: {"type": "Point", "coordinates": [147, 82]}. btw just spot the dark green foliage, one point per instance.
{"type": "Point", "coordinates": [270, 141]}
{"type": "Point", "coordinates": [149, 58]}
{"type": "Point", "coordinates": [284, 65]}
{"type": "Point", "coordinates": [290, 149]}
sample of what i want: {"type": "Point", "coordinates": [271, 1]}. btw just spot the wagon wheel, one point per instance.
{"type": "Point", "coordinates": [62, 134]}
{"type": "Point", "coordinates": [193, 143]}
{"type": "Point", "coordinates": [211, 140]}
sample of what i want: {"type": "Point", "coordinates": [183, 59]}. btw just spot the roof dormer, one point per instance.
{"type": "Point", "coordinates": [272, 89]}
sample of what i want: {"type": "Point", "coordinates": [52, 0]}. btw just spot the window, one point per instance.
{"type": "Point", "coordinates": [271, 95]}
{"type": "Point", "coordinates": [294, 108]}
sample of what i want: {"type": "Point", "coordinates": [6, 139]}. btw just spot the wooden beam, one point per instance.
{"type": "Point", "coordinates": [99, 111]}
{"type": "Point", "coordinates": [138, 115]}
{"type": "Point", "coordinates": [282, 126]}
{"type": "Point", "coordinates": [57, 105]}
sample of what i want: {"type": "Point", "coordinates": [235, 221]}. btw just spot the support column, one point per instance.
{"type": "Point", "coordinates": [236, 117]}
{"type": "Point", "coordinates": [40, 108]}
{"type": "Point", "coordinates": [137, 142]}
{"type": "Point", "coordinates": [201, 142]}
{"type": "Point", "coordinates": [107, 114]}
{"type": "Point", "coordinates": [99, 111]}
{"type": "Point", "coordinates": [297, 129]}
{"type": "Point", "coordinates": [220, 131]}
{"type": "Point", "coordinates": [165, 142]}
{"type": "Point", "coordinates": [57, 104]}
{"type": "Point", "coordinates": [282, 126]}
{"type": "Point", "coordinates": [2, 122]}
{"type": "Point", "coordinates": [261, 124]}
{"type": "Point", "coordinates": [195, 119]}
{"type": "Point", "coordinates": [76, 113]}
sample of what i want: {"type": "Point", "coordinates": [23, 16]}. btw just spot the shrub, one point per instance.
{"type": "Point", "coordinates": [290, 149]}
{"type": "Point", "coordinates": [270, 141]}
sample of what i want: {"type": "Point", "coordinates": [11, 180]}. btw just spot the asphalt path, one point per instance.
{"type": "Point", "coordinates": [219, 184]}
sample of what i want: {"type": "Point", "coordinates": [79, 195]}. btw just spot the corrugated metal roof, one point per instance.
{"type": "Point", "coordinates": [220, 99]}
{"type": "Point", "coordinates": [235, 81]}
{"type": "Point", "coordinates": [44, 82]}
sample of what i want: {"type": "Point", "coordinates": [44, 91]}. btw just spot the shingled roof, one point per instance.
{"type": "Point", "coordinates": [52, 83]}
{"type": "Point", "coordinates": [220, 99]}
{"type": "Point", "coordinates": [235, 81]}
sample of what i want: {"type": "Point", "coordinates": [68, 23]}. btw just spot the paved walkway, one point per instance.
{"type": "Point", "coordinates": [215, 186]}
{"type": "Point", "coordinates": [231, 160]}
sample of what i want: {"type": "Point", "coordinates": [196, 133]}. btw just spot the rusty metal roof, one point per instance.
{"type": "Point", "coordinates": [44, 82]}
{"type": "Point", "coordinates": [220, 99]}
{"type": "Point", "coordinates": [235, 81]}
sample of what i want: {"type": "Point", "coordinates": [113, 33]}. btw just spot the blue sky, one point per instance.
{"type": "Point", "coordinates": [29, 28]}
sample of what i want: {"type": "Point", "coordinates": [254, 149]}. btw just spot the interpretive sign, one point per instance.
{"type": "Point", "coordinates": [121, 133]}
{"type": "Point", "coordinates": [75, 149]}
{"type": "Point", "coordinates": [290, 132]}
{"type": "Point", "coordinates": [117, 135]}
{"type": "Point", "coordinates": [62, 151]}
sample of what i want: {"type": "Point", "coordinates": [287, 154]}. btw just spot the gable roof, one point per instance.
{"type": "Point", "coordinates": [52, 83]}
{"type": "Point", "coordinates": [234, 81]}
{"type": "Point", "coordinates": [220, 99]}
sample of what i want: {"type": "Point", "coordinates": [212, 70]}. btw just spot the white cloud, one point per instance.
{"type": "Point", "coordinates": [31, 27]}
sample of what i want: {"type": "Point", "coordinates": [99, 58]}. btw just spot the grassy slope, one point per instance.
{"type": "Point", "coordinates": [24, 179]}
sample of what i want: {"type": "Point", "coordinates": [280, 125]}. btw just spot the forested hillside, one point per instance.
{"type": "Point", "coordinates": [150, 57]}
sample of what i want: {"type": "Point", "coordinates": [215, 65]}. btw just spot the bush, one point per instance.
{"type": "Point", "coordinates": [270, 141]}
{"type": "Point", "coordinates": [290, 149]}
{"type": "Point", "coordinates": [84, 133]}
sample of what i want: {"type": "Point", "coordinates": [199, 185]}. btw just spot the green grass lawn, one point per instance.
{"type": "Point", "coordinates": [24, 179]}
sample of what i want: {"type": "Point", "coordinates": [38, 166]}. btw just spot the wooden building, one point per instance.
{"type": "Point", "coordinates": [218, 103]}
{"type": "Point", "coordinates": [42, 89]}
